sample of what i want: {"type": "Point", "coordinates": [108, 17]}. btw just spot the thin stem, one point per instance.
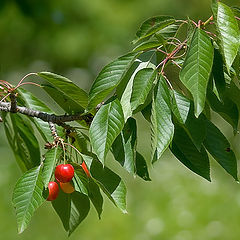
{"type": "Point", "coordinates": [68, 144]}
{"type": "Point", "coordinates": [29, 74]}
{"type": "Point", "coordinates": [182, 21]}
{"type": "Point", "coordinates": [208, 21]}
{"type": "Point", "coordinates": [25, 83]}
{"type": "Point", "coordinates": [5, 83]}
{"type": "Point", "coordinates": [4, 97]}
{"type": "Point", "coordinates": [237, 18]}
{"type": "Point", "coordinates": [194, 23]}
{"type": "Point", "coordinates": [176, 64]}
{"type": "Point", "coordinates": [170, 85]}
{"type": "Point", "coordinates": [210, 33]}
{"type": "Point", "coordinates": [160, 50]}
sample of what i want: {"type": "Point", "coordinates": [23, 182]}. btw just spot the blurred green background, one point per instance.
{"type": "Point", "coordinates": [76, 38]}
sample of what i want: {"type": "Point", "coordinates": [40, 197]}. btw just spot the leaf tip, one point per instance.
{"type": "Point", "coordinates": [124, 211]}
{"type": "Point", "coordinates": [21, 229]}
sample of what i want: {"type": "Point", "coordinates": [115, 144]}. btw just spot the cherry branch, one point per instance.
{"type": "Point", "coordinates": [53, 131]}
{"type": "Point", "coordinates": [46, 117]}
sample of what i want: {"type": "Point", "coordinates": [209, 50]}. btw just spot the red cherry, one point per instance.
{"type": "Point", "coordinates": [64, 173]}
{"type": "Point", "coordinates": [67, 187]}
{"type": "Point", "coordinates": [85, 168]}
{"type": "Point", "coordinates": [53, 191]}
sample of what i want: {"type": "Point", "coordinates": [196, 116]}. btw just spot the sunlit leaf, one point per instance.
{"type": "Point", "coordinates": [142, 85]}
{"type": "Point", "coordinates": [197, 68]}
{"type": "Point", "coordinates": [27, 196]}
{"type": "Point", "coordinates": [106, 126]}
{"type": "Point", "coordinates": [180, 106]}
{"type": "Point", "coordinates": [228, 33]}
{"type": "Point", "coordinates": [50, 161]}
{"type": "Point", "coordinates": [65, 87]}
{"type": "Point", "coordinates": [22, 140]}
{"type": "Point", "coordinates": [109, 78]}
{"type": "Point", "coordinates": [153, 25]}
{"type": "Point", "coordinates": [162, 128]}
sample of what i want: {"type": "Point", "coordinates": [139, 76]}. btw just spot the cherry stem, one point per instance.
{"type": "Point", "coordinates": [4, 97]}
{"type": "Point", "coordinates": [176, 64]}
{"type": "Point", "coordinates": [208, 21]}
{"type": "Point", "coordinates": [237, 18]}
{"type": "Point", "coordinates": [25, 83]}
{"type": "Point", "coordinates": [169, 83]}
{"type": "Point", "coordinates": [64, 151]}
{"type": "Point", "coordinates": [29, 74]}
{"type": "Point", "coordinates": [68, 144]}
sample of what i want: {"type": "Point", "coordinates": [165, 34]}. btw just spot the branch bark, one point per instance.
{"type": "Point", "coordinates": [46, 117]}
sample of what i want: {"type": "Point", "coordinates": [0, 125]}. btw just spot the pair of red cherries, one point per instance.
{"type": "Point", "coordinates": [64, 174]}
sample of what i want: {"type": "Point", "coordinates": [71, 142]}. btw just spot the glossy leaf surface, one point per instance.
{"type": "Point", "coordinates": [106, 126]}
{"type": "Point", "coordinates": [197, 68]}
{"type": "Point", "coordinates": [27, 196]}
{"type": "Point", "coordinates": [109, 78]}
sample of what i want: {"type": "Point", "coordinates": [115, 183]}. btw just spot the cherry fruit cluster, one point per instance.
{"type": "Point", "coordinates": [63, 174]}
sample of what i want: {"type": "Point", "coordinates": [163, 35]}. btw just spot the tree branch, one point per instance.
{"type": "Point", "coordinates": [13, 98]}
{"type": "Point", "coordinates": [59, 120]}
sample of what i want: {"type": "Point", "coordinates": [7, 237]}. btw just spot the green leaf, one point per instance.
{"type": "Point", "coordinates": [50, 161]}
{"type": "Point", "coordinates": [218, 146]}
{"type": "Point", "coordinates": [186, 152]}
{"type": "Point", "coordinates": [146, 112]}
{"type": "Point", "coordinates": [169, 31]}
{"type": "Point", "coordinates": [147, 46]}
{"type": "Point", "coordinates": [62, 206]}
{"type": "Point", "coordinates": [162, 128]}
{"type": "Point", "coordinates": [80, 140]}
{"type": "Point", "coordinates": [141, 167]}
{"type": "Point", "coordinates": [227, 109]}
{"type": "Point", "coordinates": [218, 73]}
{"type": "Point", "coordinates": [196, 129]}
{"type": "Point", "coordinates": [28, 100]}
{"type": "Point", "coordinates": [64, 101]}
{"type": "Point", "coordinates": [142, 85]}
{"type": "Point", "coordinates": [126, 91]}
{"type": "Point", "coordinates": [22, 140]}
{"type": "Point", "coordinates": [124, 146]}
{"type": "Point", "coordinates": [105, 127]}
{"type": "Point", "coordinates": [180, 106]}
{"type": "Point", "coordinates": [228, 33]}
{"type": "Point", "coordinates": [80, 207]}
{"type": "Point", "coordinates": [95, 196]}
{"type": "Point", "coordinates": [67, 89]}
{"type": "Point", "coordinates": [27, 196]}
{"type": "Point", "coordinates": [109, 78]}
{"type": "Point", "coordinates": [72, 209]}
{"type": "Point", "coordinates": [153, 25]}
{"type": "Point", "coordinates": [80, 180]}
{"type": "Point", "coordinates": [110, 183]}
{"type": "Point", "coordinates": [234, 93]}
{"type": "Point", "coordinates": [197, 68]}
